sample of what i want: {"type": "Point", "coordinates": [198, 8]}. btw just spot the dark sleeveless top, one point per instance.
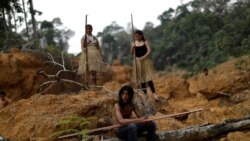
{"type": "Point", "coordinates": [140, 50]}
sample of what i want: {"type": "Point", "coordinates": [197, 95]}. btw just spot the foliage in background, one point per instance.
{"type": "Point", "coordinates": [115, 43]}
{"type": "Point", "coordinates": [194, 36]}
{"type": "Point", "coordinates": [13, 15]}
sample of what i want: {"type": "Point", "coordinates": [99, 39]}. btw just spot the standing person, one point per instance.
{"type": "Point", "coordinates": [143, 65]}
{"type": "Point", "coordinates": [4, 101]}
{"type": "Point", "coordinates": [91, 47]}
{"type": "Point", "coordinates": [122, 115]}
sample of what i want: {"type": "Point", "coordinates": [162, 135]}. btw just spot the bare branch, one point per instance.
{"type": "Point", "coordinates": [56, 63]}
{"type": "Point", "coordinates": [41, 92]}
{"type": "Point", "coordinates": [63, 63]}
{"type": "Point", "coordinates": [60, 71]}
{"type": "Point", "coordinates": [57, 77]}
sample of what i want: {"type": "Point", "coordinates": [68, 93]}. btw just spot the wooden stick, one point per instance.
{"type": "Point", "coordinates": [136, 71]}
{"type": "Point", "coordinates": [119, 125]}
{"type": "Point", "coordinates": [86, 50]}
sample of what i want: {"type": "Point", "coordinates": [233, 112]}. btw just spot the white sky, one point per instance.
{"type": "Point", "coordinates": [102, 13]}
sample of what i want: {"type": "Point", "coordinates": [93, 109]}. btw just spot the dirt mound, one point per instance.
{"type": "Point", "coordinates": [237, 136]}
{"type": "Point", "coordinates": [35, 117]}
{"type": "Point", "coordinates": [18, 76]}
{"type": "Point", "coordinates": [121, 73]}
{"type": "Point", "coordinates": [230, 77]}
{"type": "Point", "coordinates": [171, 86]}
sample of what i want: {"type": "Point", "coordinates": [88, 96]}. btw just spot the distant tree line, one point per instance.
{"type": "Point", "coordinates": [15, 14]}
{"type": "Point", "coordinates": [194, 36]}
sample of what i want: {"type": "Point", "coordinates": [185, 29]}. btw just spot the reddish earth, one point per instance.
{"type": "Point", "coordinates": [32, 116]}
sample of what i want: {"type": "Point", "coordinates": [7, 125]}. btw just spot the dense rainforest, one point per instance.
{"type": "Point", "coordinates": [194, 36]}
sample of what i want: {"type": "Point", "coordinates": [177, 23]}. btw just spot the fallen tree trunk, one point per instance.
{"type": "Point", "coordinates": [206, 131]}
{"type": "Point", "coordinates": [202, 132]}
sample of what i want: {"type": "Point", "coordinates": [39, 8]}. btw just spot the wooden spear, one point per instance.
{"type": "Point", "coordinates": [86, 51]}
{"type": "Point", "coordinates": [120, 125]}
{"type": "Point", "coordinates": [136, 71]}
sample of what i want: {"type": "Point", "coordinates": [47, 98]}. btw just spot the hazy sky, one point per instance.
{"type": "Point", "coordinates": [102, 13]}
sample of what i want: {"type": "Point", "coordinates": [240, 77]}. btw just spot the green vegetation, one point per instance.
{"type": "Point", "coordinates": [36, 34]}
{"type": "Point", "coordinates": [73, 124]}
{"type": "Point", "coordinates": [243, 64]}
{"type": "Point", "coordinates": [194, 36]}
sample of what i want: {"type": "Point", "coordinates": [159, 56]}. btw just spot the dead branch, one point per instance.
{"type": "Point", "coordinates": [54, 78]}
{"type": "Point", "coordinates": [56, 63]}
{"type": "Point", "coordinates": [50, 83]}
{"type": "Point", "coordinates": [212, 95]}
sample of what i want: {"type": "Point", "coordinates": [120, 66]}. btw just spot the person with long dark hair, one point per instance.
{"type": "Point", "coordinates": [94, 63]}
{"type": "Point", "coordinates": [122, 115]}
{"type": "Point", "coordinates": [143, 70]}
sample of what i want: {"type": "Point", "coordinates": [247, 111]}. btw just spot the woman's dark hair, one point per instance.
{"type": "Point", "coordinates": [130, 91]}
{"type": "Point", "coordinates": [89, 25]}
{"type": "Point", "coordinates": [140, 33]}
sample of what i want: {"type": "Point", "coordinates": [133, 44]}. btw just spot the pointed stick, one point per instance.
{"type": "Point", "coordinates": [136, 71]}
{"type": "Point", "coordinates": [86, 51]}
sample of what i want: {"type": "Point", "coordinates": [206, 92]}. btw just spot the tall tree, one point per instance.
{"type": "Point", "coordinates": [115, 42]}
{"type": "Point", "coordinates": [56, 35]}
{"type": "Point", "coordinates": [25, 18]}
{"type": "Point", "coordinates": [32, 13]}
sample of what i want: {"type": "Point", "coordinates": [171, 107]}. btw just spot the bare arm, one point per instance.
{"type": "Point", "coordinates": [98, 47]}
{"type": "Point", "coordinates": [82, 44]}
{"type": "Point", "coordinates": [8, 100]}
{"type": "Point", "coordinates": [122, 120]}
{"type": "Point", "coordinates": [132, 49]}
{"type": "Point", "coordinates": [148, 50]}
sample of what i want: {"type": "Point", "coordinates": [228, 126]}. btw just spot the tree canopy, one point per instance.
{"type": "Point", "coordinates": [194, 36]}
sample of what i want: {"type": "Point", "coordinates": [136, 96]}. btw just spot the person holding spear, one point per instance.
{"type": "Point", "coordinates": [142, 66]}
{"type": "Point", "coordinates": [91, 57]}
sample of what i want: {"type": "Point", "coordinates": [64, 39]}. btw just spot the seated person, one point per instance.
{"type": "Point", "coordinates": [122, 115]}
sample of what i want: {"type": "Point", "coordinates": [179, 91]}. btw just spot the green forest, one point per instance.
{"type": "Point", "coordinates": [196, 35]}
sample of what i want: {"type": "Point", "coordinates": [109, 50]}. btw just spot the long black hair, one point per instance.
{"type": "Point", "coordinates": [89, 25]}
{"type": "Point", "coordinates": [140, 33]}
{"type": "Point", "coordinates": [130, 91]}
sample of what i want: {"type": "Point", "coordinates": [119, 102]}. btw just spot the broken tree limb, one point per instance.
{"type": "Point", "coordinates": [212, 95]}
{"type": "Point", "coordinates": [58, 77]}
{"type": "Point", "coordinates": [119, 125]}
{"type": "Point", "coordinates": [56, 63]}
